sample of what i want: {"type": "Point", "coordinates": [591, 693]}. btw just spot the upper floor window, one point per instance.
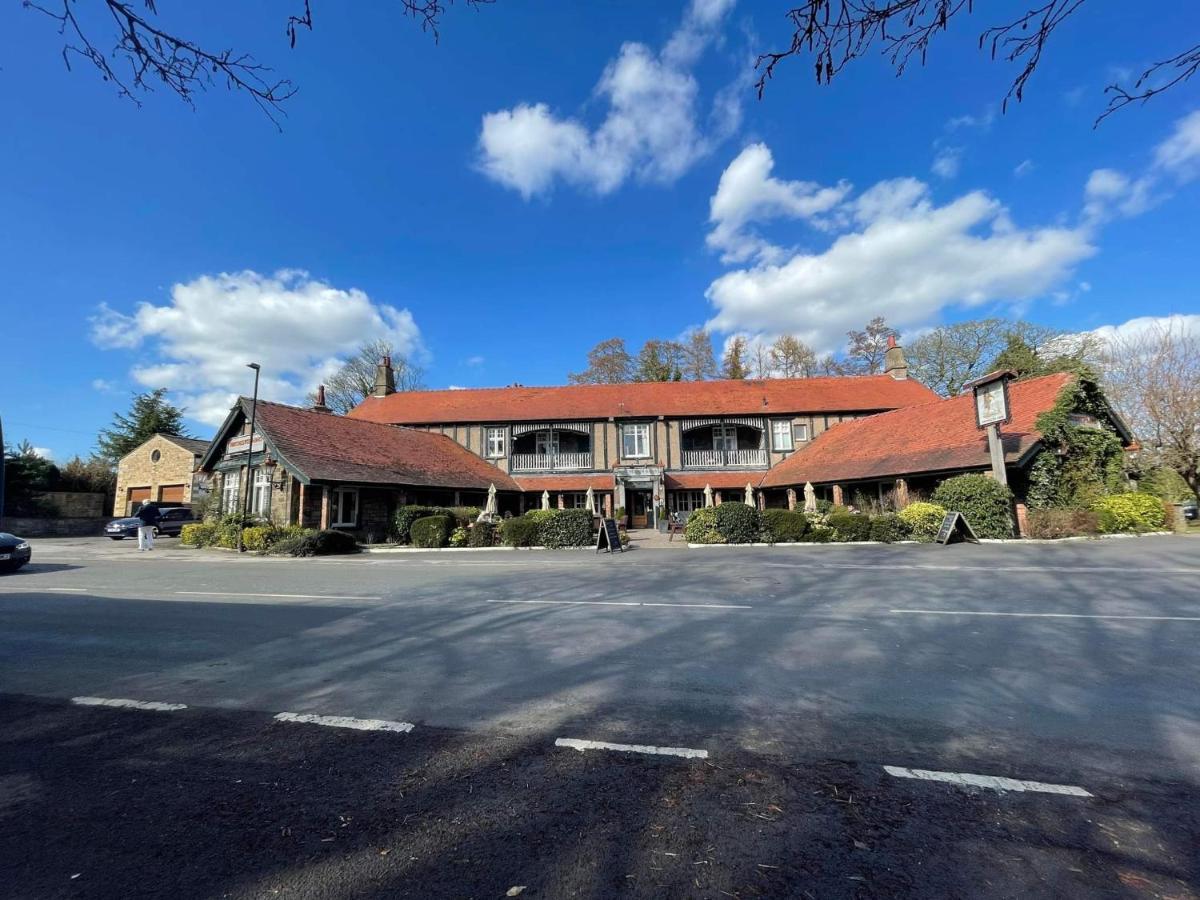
{"type": "Point", "coordinates": [724, 437]}
{"type": "Point", "coordinates": [635, 440]}
{"type": "Point", "coordinates": [800, 431]}
{"type": "Point", "coordinates": [495, 442]}
{"type": "Point", "coordinates": [781, 434]}
{"type": "Point", "coordinates": [545, 442]}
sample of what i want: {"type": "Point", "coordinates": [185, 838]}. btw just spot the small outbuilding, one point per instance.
{"type": "Point", "coordinates": [163, 469]}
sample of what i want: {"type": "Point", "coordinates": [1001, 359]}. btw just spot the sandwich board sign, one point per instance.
{"type": "Point", "coordinates": [955, 527]}
{"type": "Point", "coordinates": [609, 537]}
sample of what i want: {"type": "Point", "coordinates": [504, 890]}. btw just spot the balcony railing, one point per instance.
{"type": "Point", "coordinates": [724, 459]}
{"type": "Point", "coordinates": [551, 462]}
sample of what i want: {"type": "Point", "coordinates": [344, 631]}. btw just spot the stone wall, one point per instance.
{"type": "Point", "coordinates": [75, 504]}
{"type": "Point", "coordinates": [28, 528]}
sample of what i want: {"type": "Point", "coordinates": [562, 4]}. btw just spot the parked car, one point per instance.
{"type": "Point", "coordinates": [14, 552]}
{"type": "Point", "coordinates": [1190, 511]}
{"type": "Point", "coordinates": [171, 521]}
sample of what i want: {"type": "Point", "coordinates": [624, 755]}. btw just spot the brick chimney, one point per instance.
{"type": "Point", "coordinates": [320, 406]}
{"type": "Point", "coordinates": [894, 363]}
{"type": "Point", "coordinates": [385, 378]}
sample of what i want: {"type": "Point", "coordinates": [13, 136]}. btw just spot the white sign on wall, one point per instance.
{"type": "Point", "coordinates": [241, 443]}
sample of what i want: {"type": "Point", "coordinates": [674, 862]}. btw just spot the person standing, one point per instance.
{"type": "Point", "coordinates": [149, 515]}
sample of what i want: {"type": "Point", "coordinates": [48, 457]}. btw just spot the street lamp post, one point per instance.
{"type": "Point", "coordinates": [249, 453]}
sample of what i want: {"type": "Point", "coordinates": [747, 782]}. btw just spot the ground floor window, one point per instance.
{"type": "Point", "coordinates": [345, 507]}
{"type": "Point", "coordinates": [260, 497]}
{"type": "Point", "coordinates": [576, 500]}
{"type": "Point", "coordinates": [685, 501]}
{"type": "Point", "coordinates": [229, 491]}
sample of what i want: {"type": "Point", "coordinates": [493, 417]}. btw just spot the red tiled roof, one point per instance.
{"type": "Point", "coordinates": [325, 447]}
{"type": "Point", "coordinates": [718, 481]}
{"type": "Point", "coordinates": [780, 396]}
{"type": "Point", "coordinates": [565, 482]}
{"type": "Point", "coordinates": [932, 437]}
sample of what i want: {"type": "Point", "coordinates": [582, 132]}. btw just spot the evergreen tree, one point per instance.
{"type": "Point", "coordinates": [149, 414]}
{"type": "Point", "coordinates": [659, 361]}
{"type": "Point", "coordinates": [733, 364]}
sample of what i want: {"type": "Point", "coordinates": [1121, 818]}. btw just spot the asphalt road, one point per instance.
{"type": "Point", "coordinates": [795, 669]}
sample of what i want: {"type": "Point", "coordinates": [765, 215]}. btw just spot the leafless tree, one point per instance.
{"type": "Point", "coordinates": [866, 350]}
{"type": "Point", "coordinates": [609, 362]}
{"type": "Point", "coordinates": [792, 358]}
{"type": "Point", "coordinates": [836, 32]}
{"type": "Point", "coordinates": [146, 54]}
{"type": "Point", "coordinates": [355, 380]}
{"type": "Point", "coordinates": [1152, 377]}
{"type": "Point", "coordinates": [699, 361]}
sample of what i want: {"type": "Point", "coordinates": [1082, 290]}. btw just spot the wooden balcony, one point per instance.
{"type": "Point", "coordinates": [724, 459]}
{"type": "Point", "coordinates": [550, 462]}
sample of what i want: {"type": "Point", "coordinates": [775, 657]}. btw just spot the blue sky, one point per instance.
{"type": "Point", "coordinates": [550, 175]}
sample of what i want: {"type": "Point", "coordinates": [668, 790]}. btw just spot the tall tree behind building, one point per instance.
{"type": "Point", "coordinates": [659, 361]}
{"type": "Point", "coordinates": [699, 361]}
{"type": "Point", "coordinates": [792, 358]}
{"type": "Point", "coordinates": [866, 349]}
{"type": "Point", "coordinates": [354, 382]}
{"type": "Point", "coordinates": [734, 363]}
{"type": "Point", "coordinates": [608, 363]}
{"type": "Point", "coordinates": [149, 414]}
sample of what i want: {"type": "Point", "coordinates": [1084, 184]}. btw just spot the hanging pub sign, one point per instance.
{"type": "Point", "coordinates": [991, 400]}
{"type": "Point", "coordinates": [955, 527]}
{"type": "Point", "coordinates": [609, 538]}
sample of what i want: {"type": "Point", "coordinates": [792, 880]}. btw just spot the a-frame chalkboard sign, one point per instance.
{"type": "Point", "coordinates": [955, 527]}
{"type": "Point", "coordinates": [609, 538]}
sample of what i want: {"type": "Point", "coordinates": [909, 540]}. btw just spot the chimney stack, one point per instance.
{"type": "Point", "coordinates": [320, 406]}
{"type": "Point", "coordinates": [385, 378]}
{"type": "Point", "coordinates": [894, 363]}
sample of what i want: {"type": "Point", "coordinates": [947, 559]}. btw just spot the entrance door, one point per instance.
{"type": "Point", "coordinates": [639, 509]}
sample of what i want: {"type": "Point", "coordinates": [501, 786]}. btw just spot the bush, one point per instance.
{"type": "Point", "coordinates": [738, 523]}
{"type": "Point", "coordinates": [292, 540]}
{"type": "Point", "coordinates": [481, 534]}
{"type": "Point", "coordinates": [258, 538]}
{"type": "Point", "coordinates": [1060, 523]}
{"type": "Point", "coordinates": [888, 528]}
{"type": "Point", "coordinates": [923, 520]}
{"type": "Point", "coordinates": [431, 531]}
{"type": "Point", "coordinates": [783, 526]}
{"type": "Point", "coordinates": [565, 528]}
{"type": "Point", "coordinates": [333, 543]}
{"type": "Point", "coordinates": [520, 531]}
{"type": "Point", "coordinates": [985, 502]}
{"type": "Point", "coordinates": [403, 518]}
{"type": "Point", "coordinates": [848, 526]}
{"type": "Point", "coordinates": [458, 537]}
{"type": "Point", "coordinates": [200, 534]}
{"type": "Point", "coordinates": [701, 527]}
{"type": "Point", "coordinates": [1130, 512]}
{"type": "Point", "coordinates": [463, 515]}
{"type": "Point", "coordinates": [819, 534]}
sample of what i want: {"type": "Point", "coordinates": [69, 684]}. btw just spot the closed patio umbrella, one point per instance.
{"type": "Point", "coordinates": [545, 499]}
{"type": "Point", "coordinates": [490, 509]}
{"type": "Point", "coordinates": [590, 501]}
{"type": "Point", "coordinates": [708, 498]}
{"type": "Point", "coordinates": [749, 494]}
{"type": "Point", "coordinates": [810, 497]}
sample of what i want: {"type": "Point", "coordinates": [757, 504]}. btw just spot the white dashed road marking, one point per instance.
{"type": "Point", "coordinates": [345, 722]}
{"type": "Point", "coordinates": [962, 779]}
{"type": "Point", "coordinates": [960, 612]}
{"type": "Point", "coordinates": [276, 596]}
{"type": "Point", "coordinates": [685, 752]}
{"type": "Point", "coordinates": [625, 603]}
{"type": "Point", "coordinates": [128, 704]}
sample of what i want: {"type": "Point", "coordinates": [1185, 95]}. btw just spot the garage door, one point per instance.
{"type": "Point", "coordinates": [170, 493]}
{"type": "Point", "coordinates": [135, 498]}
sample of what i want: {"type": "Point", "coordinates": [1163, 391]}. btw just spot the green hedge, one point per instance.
{"type": "Point", "coordinates": [923, 520]}
{"type": "Point", "coordinates": [738, 523]}
{"type": "Point", "coordinates": [1060, 523]}
{"type": "Point", "coordinates": [201, 534]}
{"type": "Point", "coordinates": [566, 528]}
{"type": "Point", "coordinates": [481, 534]}
{"type": "Point", "coordinates": [701, 527]}
{"type": "Point", "coordinates": [783, 526]}
{"type": "Point", "coordinates": [848, 526]}
{"type": "Point", "coordinates": [298, 541]}
{"type": "Point", "coordinates": [403, 518]}
{"type": "Point", "coordinates": [888, 528]}
{"type": "Point", "coordinates": [521, 531]}
{"type": "Point", "coordinates": [458, 537]}
{"type": "Point", "coordinates": [819, 534]}
{"type": "Point", "coordinates": [1130, 512]}
{"type": "Point", "coordinates": [431, 531]}
{"type": "Point", "coordinates": [985, 502]}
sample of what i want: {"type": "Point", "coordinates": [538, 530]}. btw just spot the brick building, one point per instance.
{"type": "Point", "coordinates": [161, 469]}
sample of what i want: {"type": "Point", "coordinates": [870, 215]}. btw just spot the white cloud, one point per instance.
{"type": "Point", "coordinates": [104, 386]}
{"type": "Point", "coordinates": [1180, 153]}
{"type": "Point", "coordinates": [475, 361]}
{"type": "Point", "coordinates": [43, 452]}
{"type": "Point", "coordinates": [1023, 168]}
{"type": "Point", "coordinates": [947, 162]}
{"type": "Point", "coordinates": [650, 131]}
{"type": "Point", "coordinates": [747, 193]}
{"type": "Point", "coordinates": [1142, 325]}
{"type": "Point", "coordinates": [895, 254]}
{"type": "Point", "coordinates": [296, 327]}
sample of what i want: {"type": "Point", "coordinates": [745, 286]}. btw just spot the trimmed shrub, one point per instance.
{"type": "Point", "coordinates": [481, 534]}
{"type": "Point", "coordinates": [431, 531]}
{"type": "Point", "coordinates": [985, 502]}
{"type": "Point", "coordinates": [463, 515]}
{"type": "Point", "coordinates": [848, 526]}
{"type": "Point", "coordinates": [819, 534]}
{"type": "Point", "coordinates": [520, 531]}
{"type": "Point", "coordinates": [257, 538]}
{"type": "Point", "coordinates": [201, 534]}
{"type": "Point", "coordinates": [783, 526]}
{"type": "Point", "coordinates": [458, 537]}
{"type": "Point", "coordinates": [888, 528]}
{"type": "Point", "coordinates": [923, 520]}
{"type": "Point", "coordinates": [403, 518]}
{"type": "Point", "coordinates": [701, 527]}
{"type": "Point", "coordinates": [565, 528]}
{"type": "Point", "coordinates": [1060, 523]}
{"type": "Point", "coordinates": [300, 545]}
{"type": "Point", "coordinates": [737, 523]}
{"type": "Point", "coordinates": [332, 543]}
{"type": "Point", "coordinates": [1130, 512]}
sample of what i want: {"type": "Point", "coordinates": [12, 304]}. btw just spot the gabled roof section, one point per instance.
{"type": "Point", "coordinates": [198, 447]}
{"type": "Point", "coordinates": [931, 437]}
{"type": "Point", "coordinates": [325, 447]}
{"type": "Point", "coordinates": [774, 396]}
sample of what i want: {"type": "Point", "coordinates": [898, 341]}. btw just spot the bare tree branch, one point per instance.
{"type": "Point", "coordinates": [1184, 65]}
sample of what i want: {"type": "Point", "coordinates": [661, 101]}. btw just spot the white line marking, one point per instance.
{"type": "Point", "coordinates": [128, 704]}
{"type": "Point", "coordinates": [345, 722]}
{"type": "Point", "coordinates": [279, 596]}
{"type": "Point", "coordinates": [962, 779]}
{"type": "Point", "coordinates": [623, 603]}
{"type": "Point", "coordinates": [959, 612]}
{"type": "Point", "coordinates": [954, 568]}
{"type": "Point", "coordinates": [46, 590]}
{"type": "Point", "coordinates": [576, 744]}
